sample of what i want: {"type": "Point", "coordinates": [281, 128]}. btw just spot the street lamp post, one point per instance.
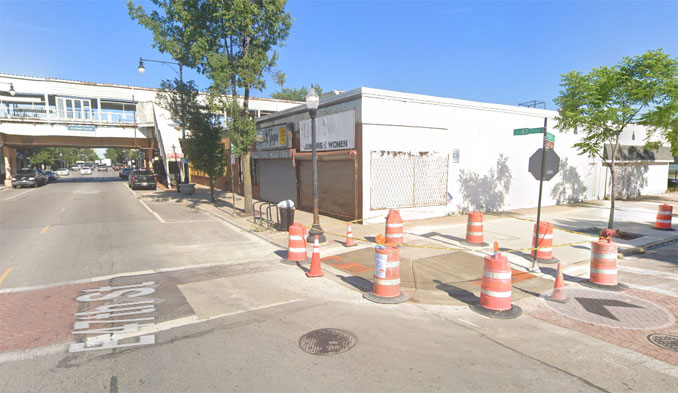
{"type": "Point", "coordinates": [312, 102]}
{"type": "Point", "coordinates": [12, 92]}
{"type": "Point", "coordinates": [142, 69]}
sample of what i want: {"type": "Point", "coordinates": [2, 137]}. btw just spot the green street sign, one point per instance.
{"type": "Point", "coordinates": [550, 137]}
{"type": "Point", "coordinates": [527, 131]}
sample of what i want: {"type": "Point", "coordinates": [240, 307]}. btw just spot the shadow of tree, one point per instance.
{"type": "Point", "coordinates": [630, 180]}
{"type": "Point", "coordinates": [570, 188]}
{"type": "Point", "coordinates": [487, 192]}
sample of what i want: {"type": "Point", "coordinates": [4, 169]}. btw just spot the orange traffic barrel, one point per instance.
{"type": "Point", "coordinates": [394, 227]}
{"type": "Point", "coordinates": [474, 229]}
{"type": "Point", "coordinates": [603, 268]}
{"type": "Point", "coordinates": [495, 289]}
{"type": "Point", "coordinates": [386, 284]}
{"type": "Point", "coordinates": [296, 249]}
{"type": "Point", "coordinates": [544, 251]}
{"type": "Point", "coordinates": [663, 220]}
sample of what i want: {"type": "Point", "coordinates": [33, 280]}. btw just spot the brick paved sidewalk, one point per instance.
{"type": "Point", "coordinates": [39, 318]}
{"type": "Point", "coordinates": [634, 338]}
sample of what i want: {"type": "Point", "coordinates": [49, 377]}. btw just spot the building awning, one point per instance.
{"type": "Point", "coordinates": [629, 153]}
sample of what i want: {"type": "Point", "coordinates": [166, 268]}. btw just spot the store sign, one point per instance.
{"type": "Point", "coordinates": [333, 132]}
{"type": "Point", "coordinates": [274, 137]}
{"type": "Point", "coordinates": [80, 128]}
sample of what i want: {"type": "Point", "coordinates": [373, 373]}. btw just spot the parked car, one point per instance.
{"type": "Point", "coordinates": [75, 167]}
{"type": "Point", "coordinates": [85, 170]}
{"type": "Point", "coordinates": [102, 168]}
{"type": "Point", "coordinates": [124, 173]}
{"type": "Point", "coordinates": [28, 177]}
{"type": "Point", "coordinates": [62, 172]}
{"type": "Point", "coordinates": [142, 178]}
{"type": "Point", "coordinates": [50, 176]}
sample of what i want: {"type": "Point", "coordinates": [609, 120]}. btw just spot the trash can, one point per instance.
{"type": "Point", "coordinates": [286, 211]}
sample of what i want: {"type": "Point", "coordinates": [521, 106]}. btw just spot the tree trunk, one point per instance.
{"type": "Point", "coordinates": [247, 173]}
{"type": "Point", "coordinates": [245, 160]}
{"type": "Point", "coordinates": [212, 190]}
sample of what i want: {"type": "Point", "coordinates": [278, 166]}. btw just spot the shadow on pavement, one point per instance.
{"type": "Point", "coordinates": [460, 294]}
{"type": "Point", "coordinates": [358, 282]}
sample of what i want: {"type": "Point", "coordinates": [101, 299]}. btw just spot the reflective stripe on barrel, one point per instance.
{"type": "Point", "coordinates": [296, 250]}
{"type": "Point", "coordinates": [603, 263]}
{"type": "Point", "coordinates": [495, 292]}
{"type": "Point", "coordinates": [474, 227]}
{"type": "Point", "coordinates": [664, 215]}
{"type": "Point", "coordinates": [386, 272]}
{"type": "Point", "coordinates": [545, 242]}
{"type": "Point", "coordinates": [394, 227]}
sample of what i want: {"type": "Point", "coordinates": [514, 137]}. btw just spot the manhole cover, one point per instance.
{"type": "Point", "coordinates": [327, 341]}
{"type": "Point", "coordinates": [664, 341]}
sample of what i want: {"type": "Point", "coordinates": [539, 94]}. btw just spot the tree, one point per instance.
{"type": "Point", "coordinates": [294, 94]}
{"type": "Point", "coordinates": [203, 143]}
{"type": "Point", "coordinates": [601, 104]}
{"type": "Point", "coordinates": [229, 41]}
{"type": "Point", "coordinates": [115, 154]}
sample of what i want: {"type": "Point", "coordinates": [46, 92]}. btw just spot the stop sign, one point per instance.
{"type": "Point", "coordinates": [551, 166]}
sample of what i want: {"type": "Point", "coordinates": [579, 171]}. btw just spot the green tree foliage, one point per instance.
{"type": "Point", "coordinates": [230, 41]}
{"type": "Point", "coordinates": [115, 154]}
{"type": "Point", "coordinates": [294, 94]}
{"type": "Point", "coordinates": [601, 104]}
{"type": "Point", "coordinates": [203, 143]}
{"type": "Point", "coordinates": [62, 155]}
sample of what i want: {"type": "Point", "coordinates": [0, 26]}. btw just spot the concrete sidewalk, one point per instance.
{"type": "Point", "coordinates": [436, 267]}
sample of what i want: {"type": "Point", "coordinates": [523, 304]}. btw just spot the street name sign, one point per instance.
{"type": "Point", "coordinates": [527, 131]}
{"type": "Point", "coordinates": [551, 165]}
{"type": "Point", "coordinates": [550, 137]}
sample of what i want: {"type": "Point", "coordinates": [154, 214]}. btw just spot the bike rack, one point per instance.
{"type": "Point", "coordinates": [269, 214]}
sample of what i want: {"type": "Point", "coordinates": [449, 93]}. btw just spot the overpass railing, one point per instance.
{"type": "Point", "coordinates": [95, 116]}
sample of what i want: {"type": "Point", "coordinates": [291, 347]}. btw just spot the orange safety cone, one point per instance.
{"type": "Point", "coordinates": [349, 237]}
{"type": "Point", "coordinates": [315, 270]}
{"type": "Point", "coordinates": [558, 294]}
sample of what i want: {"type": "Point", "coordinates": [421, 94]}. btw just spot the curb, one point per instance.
{"type": "Point", "coordinates": [645, 247]}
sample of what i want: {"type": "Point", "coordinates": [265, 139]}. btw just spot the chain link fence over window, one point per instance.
{"type": "Point", "coordinates": [405, 179]}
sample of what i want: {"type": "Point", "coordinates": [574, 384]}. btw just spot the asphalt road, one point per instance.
{"type": "Point", "coordinates": [227, 315]}
{"type": "Point", "coordinates": [85, 226]}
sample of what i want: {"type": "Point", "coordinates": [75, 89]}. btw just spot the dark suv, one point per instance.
{"type": "Point", "coordinates": [142, 178]}
{"type": "Point", "coordinates": [124, 173]}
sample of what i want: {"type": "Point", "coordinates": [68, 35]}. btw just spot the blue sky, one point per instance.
{"type": "Point", "coordinates": [492, 51]}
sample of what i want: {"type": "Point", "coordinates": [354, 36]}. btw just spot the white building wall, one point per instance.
{"type": "Point", "coordinates": [492, 173]}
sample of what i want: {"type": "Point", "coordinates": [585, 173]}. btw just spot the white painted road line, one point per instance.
{"type": "Point", "coordinates": [112, 276]}
{"type": "Point", "coordinates": [167, 325]}
{"type": "Point", "coordinates": [146, 206]}
{"type": "Point", "coordinates": [18, 195]}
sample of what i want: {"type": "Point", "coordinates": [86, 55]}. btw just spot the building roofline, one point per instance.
{"type": "Point", "coordinates": [99, 84]}
{"type": "Point", "coordinates": [369, 92]}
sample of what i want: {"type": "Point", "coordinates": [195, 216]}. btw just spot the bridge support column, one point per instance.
{"type": "Point", "coordinates": [148, 155]}
{"type": "Point", "coordinates": [9, 161]}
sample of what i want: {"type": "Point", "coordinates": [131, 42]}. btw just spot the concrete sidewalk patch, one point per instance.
{"type": "Point", "coordinates": [233, 294]}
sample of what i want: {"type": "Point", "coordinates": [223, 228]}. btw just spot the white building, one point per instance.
{"type": "Point", "coordinates": [382, 149]}
{"type": "Point", "coordinates": [40, 112]}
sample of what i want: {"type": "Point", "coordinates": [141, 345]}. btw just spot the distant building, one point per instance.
{"type": "Point", "coordinates": [37, 112]}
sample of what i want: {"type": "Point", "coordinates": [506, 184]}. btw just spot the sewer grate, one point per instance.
{"type": "Point", "coordinates": [664, 341]}
{"type": "Point", "coordinates": [327, 341]}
